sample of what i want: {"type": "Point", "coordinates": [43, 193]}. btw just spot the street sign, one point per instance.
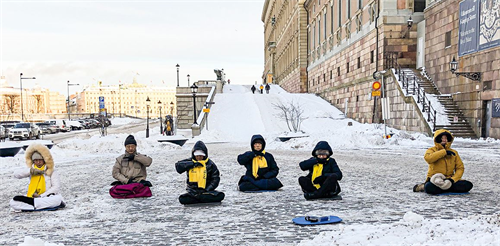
{"type": "Point", "coordinates": [206, 110]}
{"type": "Point", "coordinates": [376, 93]}
{"type": "Point", "coordinates": [101, 102]}
{"type": "Point", "coordinates": [376, 85]}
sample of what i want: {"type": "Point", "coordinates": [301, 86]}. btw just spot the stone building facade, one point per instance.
{"type": "Point", "coordinates": [475, 98]}
{"type": "Point", "coordinates": [285, 40]}
{"type": "Point", "coordinates": [347, 43]}
{"type": "Point", "coordinates": [127, 99]}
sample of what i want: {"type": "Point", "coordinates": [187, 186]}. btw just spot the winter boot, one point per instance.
{"type": "Point", "coordinates": [419, 187]}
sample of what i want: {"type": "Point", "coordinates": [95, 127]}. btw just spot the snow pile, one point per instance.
{"type": "Point", "coordinates": [238, 114]}
{"type": "Point", "coordinates": [29, 241]}
{"type": "Point", "coordinates": [413, 229]}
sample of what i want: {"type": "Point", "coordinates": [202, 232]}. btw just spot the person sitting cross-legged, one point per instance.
{"type": "Point", "coordinates": [43, 189]}
{"type": "Point", "coordinates": [445, 167]}
{"type": "Point", "coordinates": [261, 168]}
{"type": "Point", "coordinates": [324, 173]}
{"type": "Point", "coordinates": [130, 167]}
{"type": "Point", "coordinates": [202, 177]}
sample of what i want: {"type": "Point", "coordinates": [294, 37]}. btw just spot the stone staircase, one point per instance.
{"type": "Point", "coordinates": [458, 124]}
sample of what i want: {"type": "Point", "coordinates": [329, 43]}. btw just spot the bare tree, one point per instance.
{"type": "Point", "coordinates": [292, 113]}
{"type": "Point", "coordinates": [11, 101]}
{"type": "Point", "coordinates": [38, 100]}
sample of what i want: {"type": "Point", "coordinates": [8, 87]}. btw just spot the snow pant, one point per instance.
{"type": "Point", "coordinates": [205, 197]}
{"type": "Point", "coordinates": [460, 186]}
{"type": "Point", "coordinates": [329, 188]}
{"type": "Point", "coordinates": [250, 184]}
{"type": "Point", "coordinates": [24, 203]}
{"type": "Point", "coordinates": [267, 91]}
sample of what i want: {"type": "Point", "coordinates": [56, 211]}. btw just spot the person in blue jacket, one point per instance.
{"type": "Point", "coordinates": [261, 168]}
{"type": "Point", "coordinates": [324, 173]}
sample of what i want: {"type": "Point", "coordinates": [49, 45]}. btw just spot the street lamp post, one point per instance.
{"type": "Point", "coordinates": [161, 120]}
{"type": "Point", "coordinates": [194, 89]}
{"type": "Point", "coordinates": [69, 115]}
{"type": "Point", "coordinates": [120, 92]}
{"type": "Point", "coordinates": [188, 78]}
{"type": "Point", "coordinates": [172, 109]}
{"type": "Point", "coordinates": [177, 66]}
{"type": "Point", "coordinates": [476, 76]}
{"type": "Point", "coordinates": [21, 87]}
{"type": "Point", "coordinates": [147, 117]}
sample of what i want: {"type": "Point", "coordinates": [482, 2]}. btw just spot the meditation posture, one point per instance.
{"type": "Point", "coordinates": [130, 167]}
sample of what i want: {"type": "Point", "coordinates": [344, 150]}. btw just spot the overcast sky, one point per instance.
{"type": "Point", "coordinates": [111, 41]}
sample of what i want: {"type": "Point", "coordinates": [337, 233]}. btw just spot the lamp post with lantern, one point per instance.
{"type": "Point", "coordinates": [194, 90]}
{"type": "Point", "coordinates": [147, 116]}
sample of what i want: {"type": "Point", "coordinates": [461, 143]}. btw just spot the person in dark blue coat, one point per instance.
{"type": "Point", "coordinates": [202, 177]}
{"type": "Point", "coordinates": [261, 168]}
{"type": "Point", "coordinates": [324, 173]}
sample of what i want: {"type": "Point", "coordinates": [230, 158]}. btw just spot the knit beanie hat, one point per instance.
{"type": "Point", "coordinates": [130, 140]}
{"type": "Point", "coordinates": [36, 156]}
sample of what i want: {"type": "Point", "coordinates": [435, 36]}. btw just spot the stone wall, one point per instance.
{"type": "Point", "coordinates": [443, 17]}
{"type": "Point", "coordinates": [185, 105]}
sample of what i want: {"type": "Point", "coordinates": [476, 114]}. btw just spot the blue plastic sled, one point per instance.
{"type": "Point", "coordinates": [258, 191]}
{"type": "Point", "coordinates": [63, 205]}
{"type": "Point", "coordinates": [452, 194]}
{"type": "Point", "coordinates": [313, 220]}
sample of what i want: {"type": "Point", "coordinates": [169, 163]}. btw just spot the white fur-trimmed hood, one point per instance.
{"type": "Point", "coordinates": [45, 152]}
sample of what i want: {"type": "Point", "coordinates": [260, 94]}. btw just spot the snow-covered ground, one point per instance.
{"type": "Point", "coordinates": [378, 206]}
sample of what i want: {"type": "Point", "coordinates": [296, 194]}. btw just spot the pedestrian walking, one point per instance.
{"type": "Point", "coordinates": [445, 167]}
{"type": "Point", "coordinates": [324, 173]}
{"type": "Point", "coordinates": [261, 89]}
{"type": "Point", "coordinates": [44, 185]}
{"type": "Point", "coordinates": [261, 168]}
{"type": "Point", "coordinates": [253, 89]}
{"type": "Point", "coordinates": [268, 87]}
{"type": "Point", "coordinates": [202, 177]}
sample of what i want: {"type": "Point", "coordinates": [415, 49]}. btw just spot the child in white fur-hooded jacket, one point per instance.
{"type": "Point", "coordinates": [43, 187]}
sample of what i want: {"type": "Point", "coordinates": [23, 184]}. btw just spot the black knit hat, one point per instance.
{"type": "Point", "coordinates": [130, 140]}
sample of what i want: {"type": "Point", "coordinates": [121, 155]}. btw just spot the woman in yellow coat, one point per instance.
{"type": "Point", "coordinates": [445, 166]}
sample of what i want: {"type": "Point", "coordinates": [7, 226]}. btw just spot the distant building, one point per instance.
{"type": "Point", "coordinates": [127, 99]}
{"type": "Point", "coordinates": [37, 103]}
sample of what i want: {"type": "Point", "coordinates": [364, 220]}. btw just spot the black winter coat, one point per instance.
{"type": "Point", "coordinates": [329, 168]}
{"type": "Point", "coordinates": [213, 175]}
{"type": "Point", "coordinates": [246, 159]}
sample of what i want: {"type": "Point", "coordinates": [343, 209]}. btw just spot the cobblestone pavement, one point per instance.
{"type": "Point", "coordinates": [376, 189]}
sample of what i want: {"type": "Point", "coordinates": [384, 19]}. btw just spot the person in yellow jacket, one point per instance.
{"type": "Point", "coordinates": [445, 167]}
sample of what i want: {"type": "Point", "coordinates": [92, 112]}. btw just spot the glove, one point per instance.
{"type": "Point", "coordinates": [34, 171]}
{"type": "Point", "coordinates": [197, 164]}
{"type": "Point", "coordinates": [146, 183]}
{"type": "Point", "coordinates": [321, 161]}
{"type": "Point", "coordinates": [449, 152]}
{"type": "Point", "coordinates": [130, 181]}
{"type": "Point", "coordinates": [451, 180]}
{"type": "Point", "coordinates": [131, 157]}
{"type": "Point", "coordinates": [319, 180]}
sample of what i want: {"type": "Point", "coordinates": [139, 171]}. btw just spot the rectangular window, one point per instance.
{"type": "Point", "coordinates": [487, 85]}
{"type": "Point", "coordinates": [338, 71]}
{"type": "Point", "coordinates": [360, 4]}
{"type": "Point", "coordinates": [331, 19]}
{"type": "Point", "coordinates": [314, 37]}
{"type": "Point", "coordinates": [324, 77]}
{"type": "Point", "coordinates": [359, 62]}
{"type": "Point", "coordinates": [340, 13]}
{"type": "Point", "coordinates": [447, 39]}
{"type": "Point", "coordinates": [372, 56]}
{"type": "Point", "coordinates": [324, 23]}
{"type": "Point", "coordinates": [348, 67]}
{"type": "Point", "coordinates": [331, 74]}
{"type": "Point", "coordinates": [348, 9]}
{"type": "Point", "coordinates": [319, 81]}
{"type": "Point", "coordinates": [357, 98]}
{"type": "Point", "coordinates": [319, 32]}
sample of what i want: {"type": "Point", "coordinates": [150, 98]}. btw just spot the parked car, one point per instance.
{"type": "Point", "coordinates": [24, 131]}
{"type": "Point", "coordinates": [48, 128]}
{"type": "Point", "coordinates": [3, 133]}
{"type": "Point", "coordinates": [61, 124]}
{"type": "Point", "coordinates": [75, 125]}
{"type": "Point", "coordinates": [85, 123]}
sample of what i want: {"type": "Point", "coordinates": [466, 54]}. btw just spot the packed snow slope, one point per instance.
{"type": "Point", "coordinates": [238, 114]}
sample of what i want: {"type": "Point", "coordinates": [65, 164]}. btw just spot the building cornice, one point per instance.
{"type": "Point", "coordinates": [264, 11]}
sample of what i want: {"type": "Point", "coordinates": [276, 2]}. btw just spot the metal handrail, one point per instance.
{"type": "Point", "coordinates": [408, 80]}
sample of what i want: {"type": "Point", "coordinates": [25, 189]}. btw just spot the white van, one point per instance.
{"type": "Point", "coordinates": [61, 124]}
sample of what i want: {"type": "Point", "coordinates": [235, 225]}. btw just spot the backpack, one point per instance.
{"type": "Point", "coordinates": [132, 190]}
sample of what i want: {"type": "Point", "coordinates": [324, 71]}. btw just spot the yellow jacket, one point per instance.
{"type": "Point", "coordinates": [449, 165]}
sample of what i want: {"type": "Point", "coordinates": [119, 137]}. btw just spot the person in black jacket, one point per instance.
{"type": "Point", "coordinates": [324, 174]}
{"type": "Point", "coordinates": [253, 89]}
{"type": "Point", "coordinates": [261, 168]}
{"type": "Point", "coordinates": [202, 177]}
